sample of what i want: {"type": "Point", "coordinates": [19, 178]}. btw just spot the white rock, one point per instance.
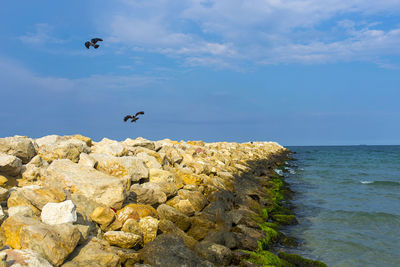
{"type": "Point", "coordinates": [19, 146]}
{"type": "Point", "coordinates": [2, 215]}
{"type": "Point", "coordinates": [58, 213]}
{"type": "Point", "coordinates": [86, 160]}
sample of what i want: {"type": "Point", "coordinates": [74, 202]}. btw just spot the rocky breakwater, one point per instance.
{"type": "Point", "coordinates": [70, 201]}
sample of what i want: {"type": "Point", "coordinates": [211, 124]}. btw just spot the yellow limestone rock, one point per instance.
{"type": "Point", "coordinates": [131, 210]}
{"type": "Point", "coordinates": [102, 215]}
{"type": "Point", "coordinates": [149, 226]}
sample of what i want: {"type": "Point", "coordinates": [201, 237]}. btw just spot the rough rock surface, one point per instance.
{"type": "Point", "coordinates": [59, 213]}
{"type": "Point", "coordinates": [137, 202]}
{"type": "Point", "coordinates": [102, 188]}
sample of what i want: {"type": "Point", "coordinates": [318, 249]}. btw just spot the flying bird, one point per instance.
{"type": "Point", "coordinates": [133, 117]}
{"type": "Point", "coordinates": [93, 43]}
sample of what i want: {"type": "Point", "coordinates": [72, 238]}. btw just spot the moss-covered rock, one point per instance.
{"type": "Point", "coordinates": [265, 258]}
{"type": "Point", "coordinates": [285, 219]}
{"type": "Point", "coordinates": [300, 261]}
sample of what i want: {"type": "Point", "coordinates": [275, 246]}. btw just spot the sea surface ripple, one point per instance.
{"type": "Point", "coordinates": [348, 204]}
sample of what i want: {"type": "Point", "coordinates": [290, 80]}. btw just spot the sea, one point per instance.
{"type": "Point", "coordinates": [347, 202]}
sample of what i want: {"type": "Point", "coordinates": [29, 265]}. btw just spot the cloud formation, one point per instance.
{"type": "Point", "coordinates": [227, 32]}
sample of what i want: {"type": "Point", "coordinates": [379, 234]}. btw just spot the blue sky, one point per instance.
{"type": "Point", "coordinates": [299, 72]}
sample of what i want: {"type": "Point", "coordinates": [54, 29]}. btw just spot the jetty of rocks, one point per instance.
{"type": "Point", "coordinates": [70, 201]}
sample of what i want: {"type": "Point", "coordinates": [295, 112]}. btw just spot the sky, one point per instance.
{"type": "Point", "coordinates": [298, 72]}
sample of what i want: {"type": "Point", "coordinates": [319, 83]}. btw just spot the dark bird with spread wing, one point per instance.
{"type": "Point", "coordinates": [133, 117]}
{"type": "Point", "coordinates": [93, 43]}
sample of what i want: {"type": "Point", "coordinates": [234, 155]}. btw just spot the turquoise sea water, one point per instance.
{"type": "Point", "coordinates": [347, 203]}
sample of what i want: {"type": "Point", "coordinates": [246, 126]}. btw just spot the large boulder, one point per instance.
{"type": "Point", "coordinates": [169, 250]}
{"type": "Point", "coordinates": [102, 188]}
{"type": "Point", "coordinates": [62, 149]}
{"type": "Point", "coordinates": [139, 142]}
{"type": "Point", "coordinates": [10, 165]}
{"type": "Point", "coordinates": [94, 253]}
{"type": "Point", "coordinates": [54, 243]}
{"type": "Point", "coordinates": [111, 147]}
{"type": "Point", "coordinates": [123, 167]}
{"type": "Point", "coordinates": [19, 146]}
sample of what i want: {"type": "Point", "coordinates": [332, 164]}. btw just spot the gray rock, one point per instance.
{"type": "Point", "coordinates": [169, 213]}
{"type": "Point", "coordinates": [19, 146]}
{"type": "Point", "coordinates": [169, 250]}
{"type": "Point", "coordinates": [218, 254]}
{"type": "Point", "coordinates": [147, 193]}
{"type": "Point", "coordinates": [10, 165]}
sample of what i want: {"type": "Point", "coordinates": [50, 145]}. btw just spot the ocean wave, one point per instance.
{"type": "Point", "coordinates": [381, 183]}
{"type": "Point", "coordinates": [278, 171]}
{"type": "Point", "coordinates": [290, 170]}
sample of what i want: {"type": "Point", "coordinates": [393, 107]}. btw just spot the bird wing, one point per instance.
{"type": "Point", "coordinates": [87, 44]}
{"type": "Point", "coordinates": [127, 117]}
{"type": "Point", "coordinates": [95, 40]}
{"type": "Point", "coordinates": [134, 119]}
{"type": "Point", "coordinates": [139, 113]}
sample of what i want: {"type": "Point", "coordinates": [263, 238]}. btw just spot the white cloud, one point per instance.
{"type": "Point", "coordinates": [15, 76]}
{"type": "Point", "coordinates": [41, 35]}
{"type": "Point", "coordinates": [226, 32]}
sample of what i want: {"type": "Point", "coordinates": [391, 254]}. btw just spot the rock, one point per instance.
{"type": "Point", "coordinates": [227, 239]}
{"type": "Point", "coordinates": [102, 215]}
{"type": "Point", "coordinates": [40, 196]}
{"type": "Point", "coordinates": [58, 213]}
{"type": "Point", "coordinates": [147, 193]}
{"type": "Point", "coordinates": [161, 176]}
{"type": "Point", "coordinates": [168, 250]}
{"type": "Point", "coordinates": [218, 254]}
{"type": "Point", "coordinates": [173, 156]}
{"type": "Point", "coordinates": [122, 239]}
{"type": "Point", "coordinates": [85, 232]}
{"type": "Point", "coordinates": [183, 205]}
{"type": "Point", "coordinates": [285, 219]}
{"type": "Point", "coordinates": [20, 210]}
{"type": "Point", "coordinates": [139, 142]}
{"type": "Point", "coordinates": [200, 226]}
{"type": "Point", "coordinates": [34, 169]}
{"type": "Point", "coordinates": [132, 226]}
{"type": "Point", "coordinates": [17, 198]}
{"type": "Point", "coordinates": [128, 212]}
{"type": "Point", "coordinates": [140, 209]}
{"type": "Point", "coordinates": [25, 257]}
{"type": "Point", "coordinates": [65, 149]}
{"type": "Point", "coordinates": [18, 146]}
{"type": "Point", "coordinates": [4, 193]}
{"type": "Point", "coordinates": [111, 147]}
{"type": "Point", "coordinates": [150, 161]}
{"type": "Point", "coordinates": [188, 177]}
{"type": "Point", "coordinates": [94, 253]}
{"type": "Point", "coordinates": [167, 226]}
{"type": "Point", "coordinates": [10, 165]}
{"type": "Point", "coordinates": [197, 199]}
{"type": "Point", "coordinates": [54, 242]}
{"type": "Point", "coordinates": [174, 215]}
{"type": "Point", "coordinates": [86, 160]}
{"type": "Point", "coordinates": [2, 215]}
{"type": "Point", "coordinates": [122, 167]}
{"type": "Point", "coordinates": [297, 260]}
{"type": "Point", "coordinates": [3, 180]}
{"type": "Point", "coordinates": [149, 226]}
{"type": "Point", "coordinates": [81, 180]}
